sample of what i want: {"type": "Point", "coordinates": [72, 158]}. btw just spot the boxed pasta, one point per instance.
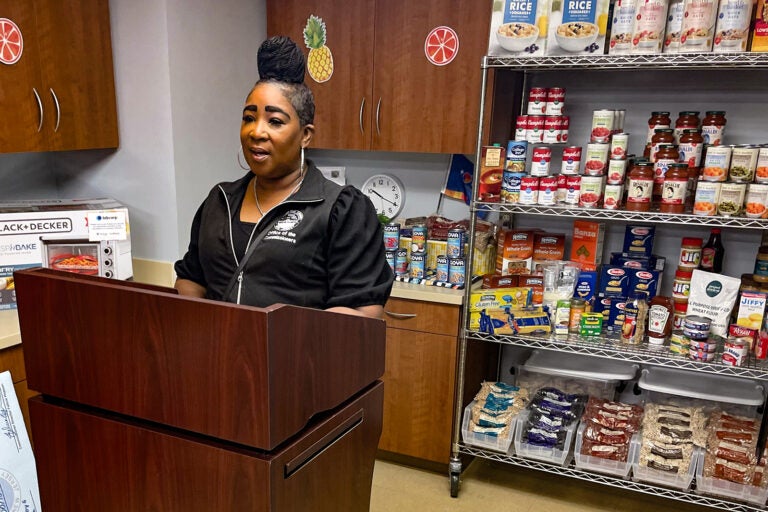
{"type": "Point", "coordinates": [698, 28]}
{"type": "Point", "coordinates": [518, 28]}
{"type": "Point", "coordinates": [514, 252]}
{"type": "Point", "coordinates": [649, 26]}
{"type": "Point", "coordinates": [760, 28]}
{"type": "Point", "coordinates": [587, 244]}
{"type": "Point", "coordinates": [732, 29]}
{"type": "Point", "coordinates": [577, 27]}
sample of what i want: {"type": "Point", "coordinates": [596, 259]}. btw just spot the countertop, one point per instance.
{"type": "Point", "coordinates": [10, 334]}
{"type": "Point", "coordinates": [427, 293]}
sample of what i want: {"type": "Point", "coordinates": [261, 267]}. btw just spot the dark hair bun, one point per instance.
{"type": "Point", "coordinates": [280, 59]}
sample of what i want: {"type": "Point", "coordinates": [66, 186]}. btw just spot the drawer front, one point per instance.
{"type": "Point", "coordinates": [422, 316]}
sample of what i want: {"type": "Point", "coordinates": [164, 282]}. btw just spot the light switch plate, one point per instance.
{"type": "Point", "coordinates": [335, 174]}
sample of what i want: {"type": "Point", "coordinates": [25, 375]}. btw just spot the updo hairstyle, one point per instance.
{"type": "Point", "coordinates": [281, 62]}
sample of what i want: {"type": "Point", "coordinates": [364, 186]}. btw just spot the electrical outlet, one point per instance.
{"type": "Point", "coordinates": [335, 174]}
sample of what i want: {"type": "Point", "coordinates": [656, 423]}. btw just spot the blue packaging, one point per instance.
{"type": "Point", "coordinates": [586, 285]}
{"type": "Point", "coordinates": [637, 260]}
{"type": "Point", "coordinates": [639, 239]}
{"type": "Point", "coordinates": [614, 281]}
{"type": "Point", "coordinates": [602, 305]}
{"type": "Point", "coordinates": [644, 281]}
{"type": "Point", "coordinates": [616, 314]}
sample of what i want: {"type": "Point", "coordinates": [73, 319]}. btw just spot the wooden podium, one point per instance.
{"type": "Point", "coordinates": [154, 401]}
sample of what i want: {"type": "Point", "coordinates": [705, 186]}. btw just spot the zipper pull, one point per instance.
{"type": "Point", "coordinates": [239, 286]}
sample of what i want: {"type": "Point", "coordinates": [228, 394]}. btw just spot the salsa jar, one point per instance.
{"type": "Point", "coordinates": [713, 126]}
{"type": "Point", "coordinates": [674, 189]}
{"type": "Point", "coordinates": [690, 148]}
{"type": "Point", "coordinates": [687, 119]}
{"type": "Point", "coordinates": [640, 187]}
{"type": "Point", "coordinates": [657, 120]}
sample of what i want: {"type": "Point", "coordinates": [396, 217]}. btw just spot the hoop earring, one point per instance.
{"type": "Point", "coordinates": [239, 162]}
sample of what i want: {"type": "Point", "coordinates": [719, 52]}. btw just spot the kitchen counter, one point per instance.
{"type": "Point", "coordinates": [10, 333]}
{"type": "Point", "coordinates": [427, 293]}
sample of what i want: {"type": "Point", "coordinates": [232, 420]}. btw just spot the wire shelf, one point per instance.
{"type": "Point", "coordinates": [612, 348]}
{"type": "Point", "coordinates": [661, 61]}
{"type": "Point", "coordinates": [685, 219]}
{"type": "Point", "coordinates": [571, 471]}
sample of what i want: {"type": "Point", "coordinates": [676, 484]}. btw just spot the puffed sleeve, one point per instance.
{"type": "Point", "coordinates": [358, 272]}
{"type": "Point", "coordinates": [189, 266]}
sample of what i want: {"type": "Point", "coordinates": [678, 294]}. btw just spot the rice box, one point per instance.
{"type": "Point", "coordinates": [732, 28]}
{"type": "Point", "coordinates": [621, 27]}
{"type": "Point", "coordinates": [698, 28]}
{"type": "Point", "coordinates": [577, 27]}
{"type": "Point", "coordinates": [760, 28]}
{"type": "Point", "coordinates": [650, 23]}
{"type": "Point", "coordinates": [518, 27]}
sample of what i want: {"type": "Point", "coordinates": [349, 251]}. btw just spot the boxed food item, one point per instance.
{"type": "Point", "coordinates": [491, 170]}
{"type": "Point", "coordinates": [647, 281]}
{"type": "Point", "coordinates": [499, 298]}
{"type": "Point", "coordinates": [518, 28]}
{"type": "Point", "coordinates": [698, 28]}
{"type": "Point", "coordinates": [586, 286]}
{"type": "Point", "coordinates": [507, 320]}
{"type": "Point", "coordinates": [639, 239]}
{"type": "Point", "coordinates": [587, 244]}
{"type": "Point", "coordinates": [674, 26]}
{"type": "Point", "coordinates": [514, 252]}
{"type": "Point", "coordinates": [732, 28]}
{"type": "Point", "coordinates": [499, 281]}
{"type": "Point", "coordinates": [548, 246]}
{"type": "Point", "coordinates": [751, 310]}
{"type": "Point", "coordinates": [614, 281]}
{"type": "Point", "coordinates": [536, 283]}
{"type": "Point", "coordinates": [760, 28]}
{"type": "Point", "coordinates": [577, 27]}
{"type": "Point", "coordinates": [621, 27]}
{"type": "Point", "coordinates": [650, 23]}
{"type": "Point", "coordinates": [83, 236]}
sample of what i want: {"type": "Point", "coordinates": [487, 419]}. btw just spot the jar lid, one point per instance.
{"type": "Point", "coordinates": [667, 146]}
{"type": "Point", "coordinates": [699, 241]}
{"type": "Point", "coordinates": [659, 113]}
{"type": "Point", "coordinates": [664, 130]}
{"type": "Point", "coordinates": [715, 112]}
{"type": "Point", "coordinates": [642, 163]}
{"type": "Point", "coordinates": [689, 113]}
{"type": "Point", "coordinates": [681, 306]}
{"type": "Point", "coordinates": [678, 165]}
{"type": "Point", "coordinates": [691, 130]}
{"type": "Point", "coordinates": [680, 273]}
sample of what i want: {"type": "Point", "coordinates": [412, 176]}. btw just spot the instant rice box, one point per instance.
{"type": "Point", "coordinates": [519, 28]}
{"type": "Point", "coordinates": [577, 27]}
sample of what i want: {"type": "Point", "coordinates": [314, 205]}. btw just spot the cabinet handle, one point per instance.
{"type": "Point", "coordinates": [362, 106]}
{"type": "Point", "coordinates": [40, 108]}
{"type": "Point", "coordinates": [401, 316]}
{"type": "Point", "coordinates": [58, 110]}
{"type": "Point", "coordinates": [378, 109]}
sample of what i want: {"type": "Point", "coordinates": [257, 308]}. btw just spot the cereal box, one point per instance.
{"type": "Point", "coordinates": [760, 30]}
{"type": "Point", "coordinates": [577, 27]}
{"type": "Point", "coordinates": [698, 29]}
{"type": "Point", "coordinates": [587, 244]}
{"type": "Point", "coordinates": [518, 27]}
{"type": "Point", "coordinates": [649, 26]}
{"type": "Point", "coordinates": [732, 29]}
{"type": "Point", "coordinates": [623, 20]}
{"type": "Point", "coordinates": [674, 26]}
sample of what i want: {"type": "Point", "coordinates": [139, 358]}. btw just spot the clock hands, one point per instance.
{"type": "Point", "coordinates": [384, 198]}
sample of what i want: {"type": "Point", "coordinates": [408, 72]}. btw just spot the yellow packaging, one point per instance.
{"type": "Point", "coordinates": [751, 310]}
{"type": "Point", "coordinates": [760, 28]}
{"type": "Point", "coordinates": [499, 298]}
{"type": "Point", "coordinates": [510, 321]}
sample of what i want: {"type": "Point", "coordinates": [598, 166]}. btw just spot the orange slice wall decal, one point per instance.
{"type": "Point", "coordinates": [11, 42]}
{"type": "Point", "coordinates": [441, 45]}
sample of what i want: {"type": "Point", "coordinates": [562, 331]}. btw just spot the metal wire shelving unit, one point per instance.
{"type": "Point", "coordinates": [604, 347]}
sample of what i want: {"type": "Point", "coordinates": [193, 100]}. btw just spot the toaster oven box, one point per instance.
{"type": "Point", "coordinates": [89, 236]}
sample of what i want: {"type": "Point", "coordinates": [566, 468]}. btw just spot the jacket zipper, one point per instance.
{"type": "Point", "coordinates": [239, 286]}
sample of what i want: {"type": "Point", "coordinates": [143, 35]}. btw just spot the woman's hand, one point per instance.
{"type": "Point", "coordinates": [189, 288]}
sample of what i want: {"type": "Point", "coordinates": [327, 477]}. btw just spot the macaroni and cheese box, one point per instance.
{"type": "Point", "coordinates": [519, 28]}
{"type": "Point", "coordinates": [760, 28]}
{"type": "Point", "coordinates": [577, 27]}
{"type": "Point", "coordinates": [587, 244]}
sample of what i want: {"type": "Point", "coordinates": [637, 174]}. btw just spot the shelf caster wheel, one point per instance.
{"type": "Point", "coordinates": [454, 485]}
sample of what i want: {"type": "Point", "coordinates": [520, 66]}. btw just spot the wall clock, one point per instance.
{"type": "Point", "coordinates": [387, 194]}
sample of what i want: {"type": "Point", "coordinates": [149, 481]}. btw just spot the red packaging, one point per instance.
{"type": "Point", "coordinates": [537, 101]}
{"type": "Point", "coordinates": [535, 130]}
{"type": "Point", "coordinates": [555, 101]}
{"type": "Point", "coordinates": [761, 345]}
{"type": "Point", "coordinates": [565, 123]}
{"type": "Point", "coordinates": [571, 160]}
{"type": "Point", "coordinates": [552, 129]}
{"type": "Point", "coordinates": [521, 127]}
{"type": "Point", "coordinates": [499, 281]}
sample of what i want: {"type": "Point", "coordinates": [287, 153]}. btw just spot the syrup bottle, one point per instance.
{"type": "Point", "coordinates": [712, 253]}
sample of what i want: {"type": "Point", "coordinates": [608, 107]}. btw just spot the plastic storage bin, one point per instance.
{"type": "Point", "coordinates": [724, 488]}
{"type": "Point", "coordinates": [485, 441]}
{"type": "Point", "coordinates": [687, 389]}
{"type": "Point", "coordinates": [542, 453]}
{"type": "Point", "coordinates": [655, 476]}
{"type": "Point", "coordinates": [574, 373]}
{"type": "Point", "coordinates": [600, 465]}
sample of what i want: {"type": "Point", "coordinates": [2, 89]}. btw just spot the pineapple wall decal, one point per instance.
{"type": "Point", "coordinates": [320, 59]}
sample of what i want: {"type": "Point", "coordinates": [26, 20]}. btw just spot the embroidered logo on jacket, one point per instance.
{"type": "Point", "coordinates": [285, 226]}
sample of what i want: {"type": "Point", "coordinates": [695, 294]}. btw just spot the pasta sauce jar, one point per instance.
{"type": "Point", "coordinates": [665, 156]}
{"type": "Point", "coordinates": [713, 126]}
{"type": "Point", "coordinates": [640, 187]}
{"type": "Point", "coordinates": [661, 136]}
{"type": "Point", "coordinates": [690, 148]}
{"type": "Point", "coordinates": [657, 120]}
{"type": "Point", "coordinates": [674, 188]}
{"type": "Point", "coordinates": [688, 119]}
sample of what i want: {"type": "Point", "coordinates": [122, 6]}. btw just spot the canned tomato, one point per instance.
{"type": "Point", "coordinates": [571, 160]}
{"type": "Point", "coordinates": [562, 187]}
{"type": "Point", "coordinates": [761, 169]}
{"type": "Point", "coordinates": [540, 160]}
{"type": "Point", "coordinates": [555, 101]}
{"type": "Point", "coordinates": [591, 191]}
{"type": "Point", "coordinates": [565, 123]}
{"type": "Point", "coordinates": [391, 236]}
{"type": "Point", "coordinates": [596, 159]}
{"type": "Point", "coordinates": [455, 246]}
{"type": "Point", "coordinates": [731, 199]}
{"type": "Point", "coordinates": [552, 130]}
{"type": "Point", "coordinates": [619, 142]}
{"type": "Point", "coordinates": [716, 163]}
{"type": "Point", "coordinates": [743, 163]}
{"type": "Point", "coordinates": [456, 271]}
{"type": "Point", "coordinates": [547, 191]}
{"type": "Point", "coordinates": [419, 238]}
{"type": "Point", "coordinates": [573, 190]}
{"type": "Point", "coordinates": [390, 255]}
{"type": "Point", "coordinates": [442, 268]}
{"type": "Point", "coordinates": [612, 196]}
{"type": "Point", "coordinates": [401, 262]}
{"type": "Point", "coordinates": [418, 261]}
{"type": "Point", "coordinates": [618, 121]}
{"type": "Point", "coordinates": [617, 169]}
{"type": "Point", "coordinates": [521, 127]}
{"type": "Point", "coordinates": [706, 198]}
{"type": "Point", "coordinates": [537, 101]}
{"type": "Point", "coordinates": [756, 202]}
{"type": "Point", "coordinates": [535, 129]}
{"type": "Point", "coordinates": [510, 186]}
{"type": "Point", "coordinates": [529, 190]}
{"type": "Point", "coordinates": [602, 125]}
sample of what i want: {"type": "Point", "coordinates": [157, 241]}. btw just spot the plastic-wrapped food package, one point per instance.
{"type": "Point", "coordinates": [670, 458]}
{"type": "Point", "coordinates": [731, 448]}
{"type": "Point", "coordinates": [608, 428]}
{"type": "Point", "coordinates": [669, 435]}
{"type": "Point", "coordinates": [551, 413]}
{"type": "Point", "coordinates": [496, 405]}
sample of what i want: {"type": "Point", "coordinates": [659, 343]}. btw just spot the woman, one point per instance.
{"type": "Point", "coordinates": [283, 233]}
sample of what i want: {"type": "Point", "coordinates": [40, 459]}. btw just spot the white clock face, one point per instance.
{"type": "Point", "coordinates": [386, 193]}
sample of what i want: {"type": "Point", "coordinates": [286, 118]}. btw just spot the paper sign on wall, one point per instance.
{"type": "Point", "coordinates": [107, 225]}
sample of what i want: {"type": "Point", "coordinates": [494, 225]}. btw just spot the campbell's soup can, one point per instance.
{"type": "Point", "coordinates": [390, 255]}
{"type": "Point", "coordinates": [617, 169]}
{"type": "Point", "coordinates": [510, 186]}
{"type": "Point", "coordinates": [529, 190]}
{"type": "Point", "coordinates": [540, 160]}
{"type": "Point", "coordinates": [391, 236]}
{"type": "Point", "coordinates": [457, 269]}
{"type": "Point", "coordinates": [401, 262]}
{"type": "Point", "coordinates": [573, 190]}
{"type": "Point", "coordinates": [537, 101]}
{"type": "Point", "coordinates": [619, 142]}
{"type": "Point", "coordinates": [717, 161]}
{"type": "Point", "coordinates": [602, 125]}
{"type": "Point", "coordinates": [591, 191]}
{"type": "Point", "coordinates": [552, 129]}
{"type": "Point", "coordinates": [562, 187]}
{"type": "Point", "coordinates": [455, 246]}
{"type": "Point", "coordinates": [612, 196]}
{"type": "Point", "coordinates": [565, 124]}
{"type": "Point", "coordinates": [571, 160]}
{"type": "Point", "coordinates": [547, 191]}
{"type": "Point", "coordinates": [535, 130]}
{"type": "Point", "coordinates": [442, 268]}
{"type": "Point", "coordinates": [418, 261]}
{"type": "Point", "coordinates": [521, 127]}
{"type": "Point", "coordinates": [555, 101]}
{"type": "Point", "coordinates": [761, 168]}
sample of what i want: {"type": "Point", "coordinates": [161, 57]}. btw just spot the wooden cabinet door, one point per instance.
{"type": "Point", "coordinates": [343, 102]}
{"type": "Point", "coordinates": [425, 107]}
{"type": "Point", "coordinates": [419, 381]}
{"type": "Point", "coordinates": [77, 73]}
{"type": "Point", "coordinates": [20, 112]}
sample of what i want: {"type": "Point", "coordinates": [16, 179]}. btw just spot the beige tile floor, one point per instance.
{"type": "Point", "coordinates": [489, 486]}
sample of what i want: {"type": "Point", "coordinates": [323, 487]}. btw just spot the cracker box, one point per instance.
{"type": "Point", "coordinates": [518, 28]}
{"type": "Point", "coordinates": [760, 28]}
{"type": "Point", "coordinates": [83, 236]}
{"type": "Point", "coordinates": [732, 29]}
{"type": "Point", "coordinates": [587, 244]}
{"type": "Point", "coordinates": [577, 27]}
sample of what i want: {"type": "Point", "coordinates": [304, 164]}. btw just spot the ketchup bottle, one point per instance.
{"type": "Point", "coordinates": [712, 253]}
